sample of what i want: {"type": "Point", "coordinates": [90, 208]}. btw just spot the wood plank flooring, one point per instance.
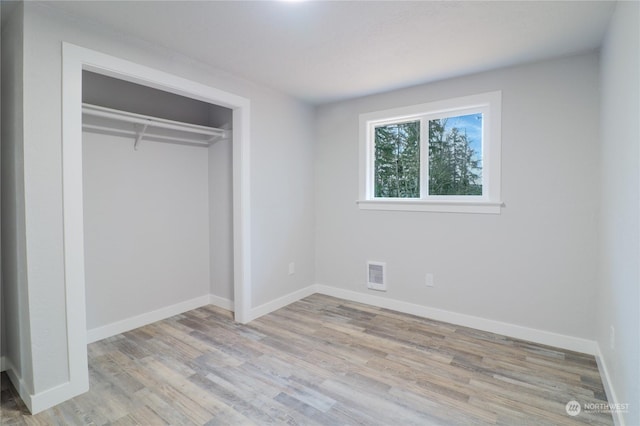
{"type": "Point", "coordinates": [322, 361]}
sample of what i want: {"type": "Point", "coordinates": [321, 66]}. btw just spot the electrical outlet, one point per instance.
{"type": "Point", "coordinates": [429, 280]}
{"type": "Point", "coordinates": [612, 338]}
{"type": "Point", "coordinates": [292, 268]}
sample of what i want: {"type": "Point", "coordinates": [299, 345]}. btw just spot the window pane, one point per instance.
{"type": "Point", "coordinates": [455, 155]}
{"type": "Point", "coordinates": [397, 160]}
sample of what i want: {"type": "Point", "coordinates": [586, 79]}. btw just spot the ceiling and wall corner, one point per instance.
{"type": "Point", "coordinates": [324, 51]}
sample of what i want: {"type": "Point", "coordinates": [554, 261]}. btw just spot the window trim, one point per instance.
{"type": "Point", "coordinates": [489, 202]}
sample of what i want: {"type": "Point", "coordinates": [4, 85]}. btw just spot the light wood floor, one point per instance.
{"type": "Point", "coordinates": [322, 361]}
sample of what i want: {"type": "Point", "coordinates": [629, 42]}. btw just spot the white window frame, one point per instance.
{"type": "Point", "coordinates": [489, 104]}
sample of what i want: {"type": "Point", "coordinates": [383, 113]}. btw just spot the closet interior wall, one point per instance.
{"type": "Point", "coordinates": [157, 219]}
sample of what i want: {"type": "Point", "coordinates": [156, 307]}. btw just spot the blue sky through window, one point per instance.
{"type": "Point", "coordinates": [472, 123]}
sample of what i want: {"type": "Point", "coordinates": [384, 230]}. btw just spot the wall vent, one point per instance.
{"type": "Point", "coordinates": [376, 276]}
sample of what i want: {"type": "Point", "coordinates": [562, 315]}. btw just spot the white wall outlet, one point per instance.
{"type": "Point", "coordinates": [612, 338]}
{"type": "Point", "coordinates": [429, 280]}
{"type": "Point", "coordinates": [292, 268]}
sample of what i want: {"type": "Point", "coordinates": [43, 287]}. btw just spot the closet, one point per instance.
{"type": "Point", "coordinates": [157, 188]}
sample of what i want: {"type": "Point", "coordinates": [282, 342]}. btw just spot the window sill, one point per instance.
{"type": "Point", "coordinates": [482, 207]}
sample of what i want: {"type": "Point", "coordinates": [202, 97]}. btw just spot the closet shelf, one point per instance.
{"type": "Point", "coordinates": [110, 121]}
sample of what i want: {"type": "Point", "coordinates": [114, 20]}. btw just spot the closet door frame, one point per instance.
{"type": "Point", "coordinates": [75, 59]}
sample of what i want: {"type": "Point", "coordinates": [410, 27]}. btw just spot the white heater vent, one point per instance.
{"type": "Point", "coordinates": [376, 276]}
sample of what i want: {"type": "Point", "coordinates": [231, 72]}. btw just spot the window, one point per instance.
{"type": "Point", "coordinates": [442, 156]}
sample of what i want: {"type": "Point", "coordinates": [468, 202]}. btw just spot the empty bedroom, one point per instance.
{"type": "Point", "coordinates": [320, 212]}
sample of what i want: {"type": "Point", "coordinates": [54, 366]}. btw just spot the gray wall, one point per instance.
{"type": "Point", "coordinates": [146, 226]}
{"type": "Point", "coordinates": [221, 219]}
{"type": "Point", "coordinates": [15, 296]}
{"type": "Point", "coordinates": [122, 95]}
{"type": "Point", "coordinates": [281, 175]}
{"type": "Point", "coordinates": [619, 291]}
{"type": "Point", "coordinates": [2, 320]}
{"type": "Point", "coordinates": [533, 265]}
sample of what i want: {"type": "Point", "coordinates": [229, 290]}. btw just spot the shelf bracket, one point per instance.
{"type": "Point", "coordinates": [215, 138]}
{"type": "Point", "coordinates": [139, 136]}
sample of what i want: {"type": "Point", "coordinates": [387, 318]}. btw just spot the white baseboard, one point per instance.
{"type": "Point", "coordinates": [54, 396]}
{"type": "Point", "coordinates": [221, 302]}
{"type": "Point", "coordinates": [612, 398]}
{"type": "Point", "coordinates": [46, 399]}
{"type": "Point", "coordinates": [43, 400]}
{"type": "Point", "coordinates": [530, 334]}
{"type": "Point", "coordinates": [128, 324]}
{"type": "Point", "coordinates": [281, 302]}
{"type": "Point", "coordinates": [525, 333]}
{"type": "Point", "coordinates": [60, 393]}
{"type": "Point", "coordinates": [19, 384]}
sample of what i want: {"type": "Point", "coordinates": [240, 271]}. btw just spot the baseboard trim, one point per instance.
{"type": "Point", "coordinates": [54, 396]}
{"type": "Point", "coordinates": [128, 324]}
{"type": "Point", "coordinates": [19, 384]}
{"type": "Point", "coordinates": [525, 333]}
{"type": "Point", "coordinates": [530, 334]}
{"type": "Point", "coordinates": [221, 302]}
{"type": "Point", "coordinates": [43, 400]}
{"type": "Point", "coordinates": [65, 391]}
{"type": "Point", "coordinates": [618, 418]}
{"type": "Point", "coordinates": [281, 302]}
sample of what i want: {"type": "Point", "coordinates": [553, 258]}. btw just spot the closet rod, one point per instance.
{"type": "Point", "coordinates": [131, 117]}
{"type": "Point", "coordinates": [153, 137]}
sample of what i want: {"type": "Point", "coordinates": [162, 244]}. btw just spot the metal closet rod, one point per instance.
{"type": "Point", "coordinates": [131, 117]}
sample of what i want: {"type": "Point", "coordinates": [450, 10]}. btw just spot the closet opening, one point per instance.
{"type": "Point", "coordinates": [75, 61]}
{"type": "Point", "coordinates": [158, 204]}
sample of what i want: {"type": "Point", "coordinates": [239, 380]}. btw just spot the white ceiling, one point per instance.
{"type": "Point", "coordinates": [322, 51]}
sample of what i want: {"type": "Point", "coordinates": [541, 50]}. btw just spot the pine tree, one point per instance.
{"type": "Point", "coordinates": [397, 160]}
{"type": "Point", "coordinates": [454, 167]}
